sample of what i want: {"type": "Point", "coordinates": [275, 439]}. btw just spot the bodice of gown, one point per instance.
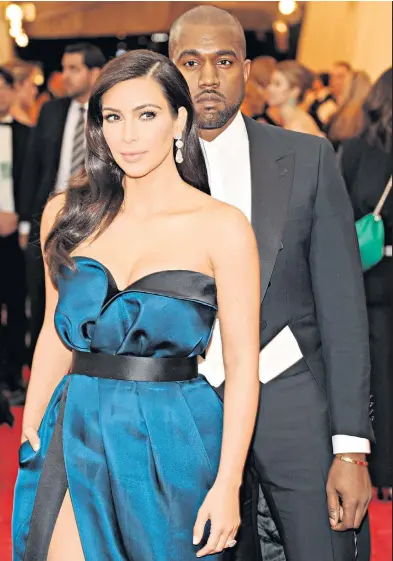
{"type": "Point", "coordinates": [164, 314]}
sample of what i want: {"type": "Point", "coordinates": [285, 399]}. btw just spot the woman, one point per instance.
{"type": "Point", "coordinates": [255, 100]}
{"type": "Point", "coordinates": [367, 166]}
{"type": "Point", "coordinates": [321, 104]}
{"type": "Point", "coordinates": [346, 122]}
{"type": "Point", "coordinates": [138, 259]}
{"type": "Point", "coordinates": [286, 91]}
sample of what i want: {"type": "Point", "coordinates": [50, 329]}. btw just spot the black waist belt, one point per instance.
{"type": "Point", "coordinates": [134, 368]}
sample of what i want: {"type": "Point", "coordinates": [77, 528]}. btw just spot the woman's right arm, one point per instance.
{"type": "Point", "coordinates": [52, 360]}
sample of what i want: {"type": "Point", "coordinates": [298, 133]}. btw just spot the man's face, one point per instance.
{"type": "Point", "coordinates": [211, 60]}
{"type": "Point", "coordinates": [7, 94]}
{"type": "Point", "coordinates": [340, 77]}
{"type": "Point", "coordinates": [78, 79]}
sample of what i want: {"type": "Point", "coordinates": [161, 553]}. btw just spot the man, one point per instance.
{"type": "Point", "coordinates": [340, 80]}
{"type": "Point", "coordinates": [56, 153]}
{"type": "Point", "coordinates": [314, 339]}
{"type": "Point", "coordinates": [13, 143]}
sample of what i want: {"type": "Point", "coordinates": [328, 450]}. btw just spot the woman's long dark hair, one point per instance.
{"type": "Point", "coordinates": [377, 110]}
{"type": "Point", "coordinates": [94, 199]}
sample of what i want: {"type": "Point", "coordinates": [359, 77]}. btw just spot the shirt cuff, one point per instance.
{"type": "Point", "coordinates": [24, 228]}
{"type": "Point", "coordinates": [343, 444]}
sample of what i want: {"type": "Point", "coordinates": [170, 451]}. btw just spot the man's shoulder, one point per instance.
{"type": "Point", "coordinates": [21, 127]}
{"type": "Point", "coordinates": [284, 139]}
{"type": "Point", "coordinates": [56, 105]}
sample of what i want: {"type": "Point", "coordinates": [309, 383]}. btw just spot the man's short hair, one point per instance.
{"type": "Point", "coordinates": [7, 77]}
{"type": "Point", "coordinates": [93, 57]}
{"type": "Point", "coordinates": [206, 14]}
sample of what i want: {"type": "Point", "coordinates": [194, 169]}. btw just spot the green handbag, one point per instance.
{"type": "Point", "coordinates": [371, 234]}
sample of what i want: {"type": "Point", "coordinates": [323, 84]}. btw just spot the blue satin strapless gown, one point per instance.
{"type": "Point", "coordinates": [138, 458]}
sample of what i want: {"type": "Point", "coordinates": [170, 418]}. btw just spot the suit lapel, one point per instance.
{"type": "Point", "coordinates": [272, 171]}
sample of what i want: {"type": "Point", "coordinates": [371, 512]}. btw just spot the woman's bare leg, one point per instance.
{"type": "Point", "coordinates": [66, 544]}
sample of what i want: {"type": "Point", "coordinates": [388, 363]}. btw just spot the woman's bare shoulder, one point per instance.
{"type": "Point", "coordinates": [51, 211]}
{"type": "Point", "coordinates": [224, 223]}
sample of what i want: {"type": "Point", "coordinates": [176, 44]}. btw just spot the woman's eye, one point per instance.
{"type": "Point", "coordinates": [148, 115]}
{"type": "Point", "coordinates": [111, 117]}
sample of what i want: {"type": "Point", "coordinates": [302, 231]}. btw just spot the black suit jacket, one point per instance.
{"type": "Point", "coordinates": [43, 160]}
{"type": "Point", "coordinates": [311, 274]}
{"type": "Point", "coordinates": [20, 140]}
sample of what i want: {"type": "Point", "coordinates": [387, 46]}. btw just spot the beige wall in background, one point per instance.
{"type": "Point", "coordinates": [359, 32]}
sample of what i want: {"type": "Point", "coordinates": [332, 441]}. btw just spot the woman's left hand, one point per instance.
{"type": "Point", "coordinates": [222, 508]}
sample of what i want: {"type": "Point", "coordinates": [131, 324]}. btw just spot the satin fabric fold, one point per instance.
{"type": "Point", "coordinates": [137, 457]}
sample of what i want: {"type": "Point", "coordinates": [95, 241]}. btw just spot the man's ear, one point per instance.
{"type": "Point", "coordinates": [247, 69]}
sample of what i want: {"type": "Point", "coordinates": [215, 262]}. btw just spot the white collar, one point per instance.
{"type": "Point", "coordinates": [76, 105]}
{"type": "Point", "coordinates": [7, 120]}
{"type": "Point", "coordinates": [230, 136]}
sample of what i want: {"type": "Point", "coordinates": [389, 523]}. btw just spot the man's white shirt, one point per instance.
{"type": "Point", "coordinates": [7, 202]}
{"type": "Point", "coordinates": [229, 170]}
{"type": "Point", "coordinates": [67, 146]}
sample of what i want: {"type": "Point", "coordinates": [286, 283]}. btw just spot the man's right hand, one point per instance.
{"type": "Point", "coordinates": [8, 223]}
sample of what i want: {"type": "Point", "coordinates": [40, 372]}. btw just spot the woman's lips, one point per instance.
{"type": "Point", "coordinates": [132, 156]}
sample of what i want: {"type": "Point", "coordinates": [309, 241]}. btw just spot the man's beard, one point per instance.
{"type": "Point", "coordinates": [218, 119]}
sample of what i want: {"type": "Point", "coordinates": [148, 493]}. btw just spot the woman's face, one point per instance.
{"type": "Point", "coordinates": [139, 126]}
{"type": "Point", "coordinates": [280, 91]}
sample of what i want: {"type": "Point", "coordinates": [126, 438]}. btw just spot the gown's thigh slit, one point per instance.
{"type": "Point", "coordinates": [50, 495]}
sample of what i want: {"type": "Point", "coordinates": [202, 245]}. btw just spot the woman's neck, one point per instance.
{"type": "Point", "coordinates": [155, 192]}
{"type": "Point", "coordinates": [288, 114]}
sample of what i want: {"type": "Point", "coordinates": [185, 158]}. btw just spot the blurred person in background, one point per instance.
{"type": "Point", "coordinates": [13, 144]}
{"type": "Point", "coordinates": [289, 84]}
{"type": "Point", "coordinates": [24, 106]}
{"type": "Point", "coordinates": [56, 152]}
{"type": "Point", "coordinates": [340, 80]}
{"type": "Point", "coordinates": [367, 166]}
{"type": "Point", "coordinates": [321, 104]}
{"type": "Point", "coordinates": [55, 89]}
{"type": "Point", "coordinates": [255, 103]}
{"type": "Point", "coordinates": [347, 121]}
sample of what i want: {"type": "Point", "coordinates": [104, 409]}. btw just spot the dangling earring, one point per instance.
{"type": "Point", "coordinates": [179, 154]}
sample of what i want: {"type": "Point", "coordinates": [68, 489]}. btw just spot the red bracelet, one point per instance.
{"type": "Point", "coordinates": [349, 460]}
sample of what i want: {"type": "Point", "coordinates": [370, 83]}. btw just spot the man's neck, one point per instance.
{"type": "Point", "coordinates": [211, 134]}
{"type": "Point", "coordinates": [82, 99]}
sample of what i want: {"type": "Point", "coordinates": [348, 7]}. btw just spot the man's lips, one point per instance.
{"type": "Point", "coordinates": [212, 98]}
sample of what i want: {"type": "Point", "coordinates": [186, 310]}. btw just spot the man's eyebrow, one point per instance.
{"type": "Point", "coordinates": [227, 52]}
{"type": "Point", "coordinates": [222, 52]}
{"type": "Point", "coordinates": [189, 52]}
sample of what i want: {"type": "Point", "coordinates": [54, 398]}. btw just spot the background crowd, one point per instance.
{"type": "Point", "coordinates": [42, 145]}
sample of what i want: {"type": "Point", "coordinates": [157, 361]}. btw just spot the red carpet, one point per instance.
{"type": "Point", "coordinates": [381, 513]}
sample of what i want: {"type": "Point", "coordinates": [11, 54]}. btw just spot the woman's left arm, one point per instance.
{"type": "Point", "coordinates": [235, 259]}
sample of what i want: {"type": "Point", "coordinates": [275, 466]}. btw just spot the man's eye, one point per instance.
{"type": "Point", "coordinates": [191, 64]}
{"type": "Point", "coordinates": [225, 63]}
{"type": "Point", "coordinates": [111, 117]}
{"type": "Point", "coordinates": [148, 116]}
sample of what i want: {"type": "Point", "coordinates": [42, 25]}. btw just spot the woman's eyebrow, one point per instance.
{"type": "Point", "coordinates": [138, 108]}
